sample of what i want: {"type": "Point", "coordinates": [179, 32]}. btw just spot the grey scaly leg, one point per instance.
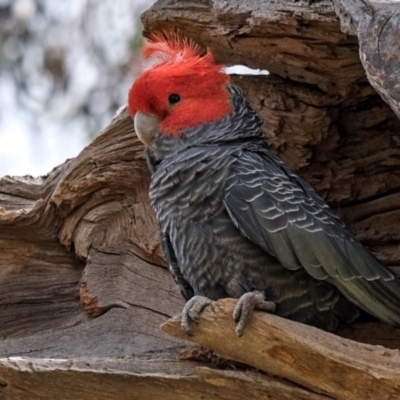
{"type": "Point", "coordinates": [246, 305]}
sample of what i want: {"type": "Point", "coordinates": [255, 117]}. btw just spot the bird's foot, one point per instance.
{"type": "Point", "coordinates": [245, 306]}
{"type": "Point", "coordinates": [191, 312]}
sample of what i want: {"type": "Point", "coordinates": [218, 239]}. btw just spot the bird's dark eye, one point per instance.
{"type": "Point", "coordinates": [174, 98]}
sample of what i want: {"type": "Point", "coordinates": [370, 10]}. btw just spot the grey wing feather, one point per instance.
{"type": "Point", "coordinates": [283, 215]}
{"type": "Point", "coordinates": [186, 289]}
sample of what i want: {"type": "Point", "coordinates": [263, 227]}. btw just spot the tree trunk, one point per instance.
{"type": "Point", "coordinates": [84, 288]}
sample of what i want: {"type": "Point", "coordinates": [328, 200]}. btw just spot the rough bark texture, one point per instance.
{"type": "Point", "coordinates": [83, 288]}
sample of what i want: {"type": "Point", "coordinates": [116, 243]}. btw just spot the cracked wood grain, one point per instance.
{"type": "Point", "coordinates": [81, 379]}
{"type": "Point", "coordinates": [377, 27]}
{"type": "Point", "coordinates": [319, 361]}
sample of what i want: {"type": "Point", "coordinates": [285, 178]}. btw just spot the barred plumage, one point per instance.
{"type": "Point", "coordinates": [235, 219]}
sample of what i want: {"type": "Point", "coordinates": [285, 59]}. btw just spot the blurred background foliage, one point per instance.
{"type": "Point", "coordinates": [64, 71]}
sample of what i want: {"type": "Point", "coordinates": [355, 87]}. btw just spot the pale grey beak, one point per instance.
{"type": "Point", "coordinates": [146, 125]}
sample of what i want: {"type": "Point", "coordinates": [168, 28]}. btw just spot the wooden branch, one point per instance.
{"type": "Point", "coordinates": [317, 360]}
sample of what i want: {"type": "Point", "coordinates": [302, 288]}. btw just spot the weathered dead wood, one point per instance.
{"type": "Point", "coordinates": [317, 360]}
{"type": "Point", "coordinates": [83, 288]}
{"type": "Point", "coordinates": [293, 39]}
{"type": "Point", "coordinates": [102, 379]}
{"type": "Point", "coordinates": [376, 24]}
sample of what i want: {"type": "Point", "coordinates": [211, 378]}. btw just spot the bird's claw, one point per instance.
{"type": "Point", "coordinates": [245, 306]}
{"type": "Point", "coordinates": [191, 312]}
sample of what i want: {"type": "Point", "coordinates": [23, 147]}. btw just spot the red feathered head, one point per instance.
{"type": "Point", "coordinates": [182, 87]}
